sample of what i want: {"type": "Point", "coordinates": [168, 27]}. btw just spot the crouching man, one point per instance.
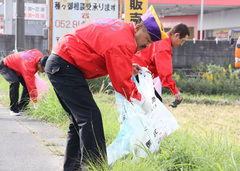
{"type": "Point", "coordinates": [20, 68]}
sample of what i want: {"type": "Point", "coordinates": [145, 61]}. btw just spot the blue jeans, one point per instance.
{"type": "Point", "coordinates": [10, 76]}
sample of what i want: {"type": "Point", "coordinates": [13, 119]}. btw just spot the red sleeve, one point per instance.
{"type": "Point", "coordinates": [28, 71]}
{"type": "Point", "coordinates": [163, 60]}
{"type": "Point", "coordinates": [29, 78]}
{"type": "Point", "coordinates": [120, 70]}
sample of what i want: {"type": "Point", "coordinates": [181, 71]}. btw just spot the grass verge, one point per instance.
{"type": "Point", "coordinates": [208, 139]}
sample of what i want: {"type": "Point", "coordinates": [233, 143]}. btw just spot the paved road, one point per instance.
{"type": "Point", "coordinates": [29, 145]}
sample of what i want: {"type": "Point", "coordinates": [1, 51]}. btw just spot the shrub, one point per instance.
{"type": "Point", "coordinates": [101, 84]}
{"type": "Point", "coordinates": [216, 80]}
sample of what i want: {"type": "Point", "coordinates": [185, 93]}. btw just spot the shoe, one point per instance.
{"type": "Point", "coordinates": [12, 113]}
{"type": "Point", "coordinates": [23, 110]}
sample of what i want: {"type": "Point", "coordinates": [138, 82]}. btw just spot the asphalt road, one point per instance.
{"type": "Point", "coordinates": [29, 145]}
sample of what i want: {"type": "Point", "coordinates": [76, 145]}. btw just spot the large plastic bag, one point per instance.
{"type": "Point", "coordinates": [141, 131]}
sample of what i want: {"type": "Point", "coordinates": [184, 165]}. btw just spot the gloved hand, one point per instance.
{"type": "Point", "coordinates": [146, 106]}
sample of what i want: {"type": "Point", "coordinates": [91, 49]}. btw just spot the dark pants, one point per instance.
{"type": "Point", "coordinates": [14, 80]}
{"type": "Point", "coordinates": [85, 139]}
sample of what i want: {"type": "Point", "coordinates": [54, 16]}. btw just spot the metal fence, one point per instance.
{"type": "Point", "coordinates": [203, 52]}
{"type": "Point", "coordinates": [7, 44]}
{"type": "Point", "coordinates": [191, 54]}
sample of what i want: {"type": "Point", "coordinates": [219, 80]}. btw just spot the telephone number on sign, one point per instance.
{"type": "Point", "coordinates": [67, 23]}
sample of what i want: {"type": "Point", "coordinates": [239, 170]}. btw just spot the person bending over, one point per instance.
{"type": "Point", "coordinates": [158, 58]}
{"type": "Point", "coordinates": [95, 49]}
{"type": "Point", "coordinates": [20, 68]}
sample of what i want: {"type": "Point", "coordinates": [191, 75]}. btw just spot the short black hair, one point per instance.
{"type": "Point", "coordinates": [43, 61]}
{"type": "Point", "coordinates": [181, 28]}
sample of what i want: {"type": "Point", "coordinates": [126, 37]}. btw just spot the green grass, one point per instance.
{"type": "Point", "coordinates": [4, 89]}
{"type": "Point", "coordinates": [225, 99]}
{"type": "Point", "coordinates": [49, 109]}
{"type": "Point", "coordinates": [208, 139]}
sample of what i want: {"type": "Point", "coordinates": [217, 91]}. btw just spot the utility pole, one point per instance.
{"type": "Point", "coordinates": [8, 16]}
{"type": "Point", "coordinates": [50, 24]}
{"type": "Point", "coordinates": [201, 22]}
{"type": "Point", "coordinates": [20, 25]}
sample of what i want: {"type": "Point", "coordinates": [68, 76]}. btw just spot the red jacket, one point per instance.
{"type": "Point", "coordinates": [25, 65]}
{"type": "Point", "coordinates": [158, 59]}
{"type": "Point", "coordinates": [101, 47]}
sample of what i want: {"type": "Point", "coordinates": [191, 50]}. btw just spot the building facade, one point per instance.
{"type": "Point", "coordinates": [220, 19]}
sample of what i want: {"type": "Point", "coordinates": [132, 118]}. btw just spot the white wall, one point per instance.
{"type": "Point", "coordinates": [224, 20]}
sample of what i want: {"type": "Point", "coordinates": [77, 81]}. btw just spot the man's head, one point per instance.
{"type": "Point", "coordinates": [148, 29]}
{"type": "Point", "coordinates": [179, 34]}
{"type": "Point", "coordinates": [41, 64]}
{"type": "Point", "coordinates": [142, 36]}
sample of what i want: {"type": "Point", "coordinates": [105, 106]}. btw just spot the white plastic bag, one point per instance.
{"type": "Point", "coordinates": [138, 130]}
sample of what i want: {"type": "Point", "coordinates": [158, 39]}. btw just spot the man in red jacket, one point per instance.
{"type": "Point", "coordinates": [92, 50]}
{"type": "Point", "coordinates": [21, 68]}
{"type": "Point", "coordinates": [158, 57]}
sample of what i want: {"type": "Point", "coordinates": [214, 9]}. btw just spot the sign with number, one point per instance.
{"type": "Point", "coordinates": [68, 14]}
{"type": "Point", "coordinates": [32, 11]}
{"type": "Point", "coordinates": [135, 9]}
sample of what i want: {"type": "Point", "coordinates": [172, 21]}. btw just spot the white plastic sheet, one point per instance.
{"type": "Point", "coordinates": [138, 130]}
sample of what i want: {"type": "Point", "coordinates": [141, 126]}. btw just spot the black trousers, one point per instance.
{"type": "Point", "coordinates": [14, 80]}
{"type": "Point", "coordinates": [85, 139]}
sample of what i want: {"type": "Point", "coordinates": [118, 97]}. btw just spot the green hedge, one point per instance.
{"type": "Point", "coordinates": [206, 80]}
{"type": "Point", "coordinates": [216, 80]}
{"type": "Point", "coordinates": [101, 84]}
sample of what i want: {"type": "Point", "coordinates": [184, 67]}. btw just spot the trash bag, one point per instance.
{"type": "Point", "coordinates": [141, 132]}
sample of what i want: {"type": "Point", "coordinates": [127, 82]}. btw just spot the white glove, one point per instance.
{"type": "Point", "coordinates": [146, 106]}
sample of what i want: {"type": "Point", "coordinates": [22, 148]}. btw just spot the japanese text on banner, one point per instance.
{"type": "Point", "coordinates": [68, 14]}
{"type": "Point", "coordinates": [135, 9]}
